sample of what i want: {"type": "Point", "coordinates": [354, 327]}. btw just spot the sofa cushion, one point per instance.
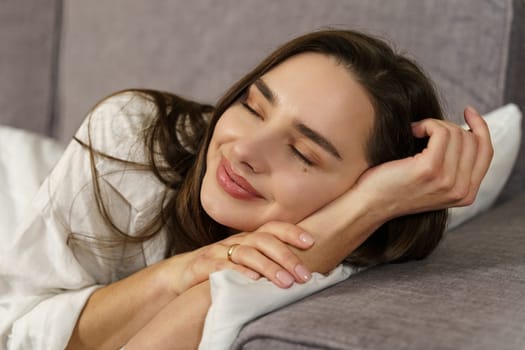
{"type": "Point", "coordinates": [198, 49]}
{"type": "Point", "coordinates": [28, 33]}
{"type": "Point", "coordinates": [467, 295]}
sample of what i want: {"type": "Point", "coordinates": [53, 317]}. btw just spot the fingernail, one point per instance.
{"type": "Point", "coordinates": [306, 238]}
{"type": "Point", "coordinates": [303, 272]}
{"type": "Point", "coordinates": [285, 278]}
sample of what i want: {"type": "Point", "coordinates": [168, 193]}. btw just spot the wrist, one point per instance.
{"type": "Point", "coordinates": [170, 274]}
{"type": "Point", "coordinates": [350, 209]}
{"type": "Point", "coordinates": [375, 208]}
{"type": "Point", "coordinates": [339, 228]}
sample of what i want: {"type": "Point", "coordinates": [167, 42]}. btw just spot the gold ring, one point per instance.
{"type": "Point", "coordinates": [230, 251]}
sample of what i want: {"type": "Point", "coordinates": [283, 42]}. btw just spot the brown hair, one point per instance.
{"type": "Point", "coordinates": [400, 92]}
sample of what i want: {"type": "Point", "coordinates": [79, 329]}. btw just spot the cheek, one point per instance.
{"type": "Point", "coordinates": [220, 131]}
{"type": "Point", "coordinates": [231, 124]}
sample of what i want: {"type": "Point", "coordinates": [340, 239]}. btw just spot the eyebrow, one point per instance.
{"type": "Point", "coordinates": [318, 139]}
{"type": "Point", "coordinates": [266, 91]}
{"type": "Point", "coordinates": [302, 128]}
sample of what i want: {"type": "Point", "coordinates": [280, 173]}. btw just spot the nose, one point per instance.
{"type": "Point", "coordinates": [254, 151]}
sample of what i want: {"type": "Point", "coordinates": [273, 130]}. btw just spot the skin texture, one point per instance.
{"type": "Point", "coordinates": [447, 173]}
{"type": "Point", "coordinates": [259, 139]}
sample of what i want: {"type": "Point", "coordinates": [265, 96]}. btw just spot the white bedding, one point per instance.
{"type": "Point", "coordinates": [25, 161]}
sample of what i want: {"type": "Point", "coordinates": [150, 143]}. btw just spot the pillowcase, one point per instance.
{"type": "Point", "coordinates": [25, 161]}
{"type": "Point", "coordinates": [505, 130]}
{"type": "Point", "coordinates": [237, 299]}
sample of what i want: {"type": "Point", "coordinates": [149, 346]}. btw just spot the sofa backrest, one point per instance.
{"type": "Point", "coordinates": [199, 48]}
{"type": "Point", "coordinates": [28, 66]}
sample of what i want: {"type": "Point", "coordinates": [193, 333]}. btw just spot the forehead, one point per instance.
{"type": "Point", "coordinates": [323, 94]}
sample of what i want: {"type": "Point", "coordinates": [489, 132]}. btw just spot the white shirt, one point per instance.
{"type": "Point", "coordinates": [47, 274]}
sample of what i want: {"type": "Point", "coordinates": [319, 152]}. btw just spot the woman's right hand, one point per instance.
{"type": "Point", "coordinates": [447, 173]}
{"type": "Point", "coordinates": [265, 252]}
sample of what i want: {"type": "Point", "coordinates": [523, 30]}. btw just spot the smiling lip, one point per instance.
{"type": "Point", "coordinates": [235, 185]}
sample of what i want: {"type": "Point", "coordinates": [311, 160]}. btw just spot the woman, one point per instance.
{"type": "Point", "coordinates": [322, 153]}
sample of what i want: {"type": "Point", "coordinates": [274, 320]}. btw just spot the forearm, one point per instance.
{"type": "Point", "coordinates": [339, 229]}
{"type": "Point", "coordinates": [179, 325]}
{"type": "Point", "coordinates": [113, 314]}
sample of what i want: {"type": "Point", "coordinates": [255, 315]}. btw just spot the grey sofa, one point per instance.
{"type": "Point", "coordinates": [58, 58]}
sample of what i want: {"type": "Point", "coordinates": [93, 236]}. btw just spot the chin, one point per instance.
{"type": "Point", "coordinates": [216, 211]}
{"type": "Point", "coordinates": [233, 223]}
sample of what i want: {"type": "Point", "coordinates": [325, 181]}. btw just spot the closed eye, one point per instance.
{"type": "Point", "coordinates": [295, 152]}
{"type": "Point", "coordinates": [301, 156]}
{"type": "Point", "coordinates": [250, 109]}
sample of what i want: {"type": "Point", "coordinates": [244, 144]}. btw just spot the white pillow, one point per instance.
{"type": "Point", "coordinates": [237, 299]}
{"type": "Point", "coordinates": [25, 161]}
{"type": "Point", "coordinates": [505, 130]}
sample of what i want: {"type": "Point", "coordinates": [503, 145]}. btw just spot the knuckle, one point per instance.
{"type": "Point", "coordinates": [220, 265]}
{"type": "Point", "coordinates": [430, 171]}
{"type": "Point", "coordinates": [209, 253]}
{"type": "Point", "coordinates": [458, 194]}
{"type": "Point", "coordinates": [288, 259]}
{"type": "Point", "coordinates": [467, 201]}
{"type": "Point", "coordinates": [268, 267]}
{"type": "Point", "coordinates": [456, 132]}
{"type": "Point", "coordinates": [447, 183]}
{"type": "Point", "coordinates": [445, 133]}
{"type": "Point", "coordinates": [201, 258]}
{"type": "Point", "coordinates": [471, 199]}
{"type": "Point", "coordinates": [195, 268]}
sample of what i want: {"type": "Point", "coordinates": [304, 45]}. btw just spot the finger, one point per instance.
{"type": "Point", "coordinates": [254, 260]}
{"type": "Point", "coordinates": [453, 154]}
{"type": "Point", "coordinates": [289, 233]}
{"type": "Point", "coordinates": [433, 155]}
{"type": "Point", "coordinates": [463, 186]}
{"type": "Point", "coordinates": [485, 150]}
{"type": "Point", "coordinates": [281, 253]}
{"type": "Point", "coordinates": [240, 268]}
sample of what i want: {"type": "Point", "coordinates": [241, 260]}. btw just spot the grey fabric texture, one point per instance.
{"type": "Point", "coordinates": [199, 50]}
{"type": "Point", "coordinates": [57, 62]}
{"type": "Point", "coordinates": [516, 93]}
{"type": "Point", "coordinates": [469, 294]}
{"type": "Point", "coordinates": [27, 63]}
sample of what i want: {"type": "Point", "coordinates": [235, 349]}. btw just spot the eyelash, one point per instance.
{"type": "Point", "coordinates": [301, 156]}
{"type": "Point", "coordinates": [250, 109]}
{"type": "Point", "coordinates": [295, 151]}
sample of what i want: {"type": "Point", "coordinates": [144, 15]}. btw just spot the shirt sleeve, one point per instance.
{"type": "Point", "coordinates": [64, 250]}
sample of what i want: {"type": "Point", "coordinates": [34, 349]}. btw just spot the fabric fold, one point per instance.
{"type": "Point", "coordinates": [236, 300]}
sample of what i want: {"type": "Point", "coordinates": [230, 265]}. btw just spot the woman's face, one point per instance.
{"type": "Point", "coordinates": [291, 145]}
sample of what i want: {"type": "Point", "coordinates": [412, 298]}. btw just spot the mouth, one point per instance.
{"type": "Point", "coordinates": [233, 184]}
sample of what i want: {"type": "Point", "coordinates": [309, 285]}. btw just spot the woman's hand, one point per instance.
{"type": "Point", "coordinates": [447, 173]}
{"type": "Point", "coordinates": [265, 252]}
